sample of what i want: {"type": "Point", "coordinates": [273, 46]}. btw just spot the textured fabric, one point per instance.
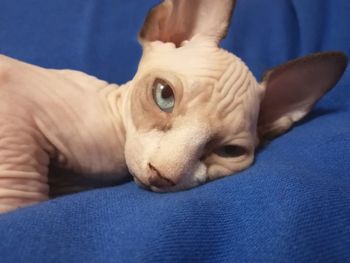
{"type": "Point", "coordinates": [292, 205]}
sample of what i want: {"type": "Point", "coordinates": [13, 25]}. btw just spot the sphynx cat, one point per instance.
{"type": "Point", "coordinates": [193, 112]}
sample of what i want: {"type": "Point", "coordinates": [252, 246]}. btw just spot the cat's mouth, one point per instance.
{"type": "Point", "coordinates": [151, 188]}
{"type": "Point", "coordinates": [154, 189]}
{"type": "Point", "coordinates": [148, 187]}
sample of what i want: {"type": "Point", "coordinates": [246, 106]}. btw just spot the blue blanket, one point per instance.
{"type": "Point", "coordinates": [292, 205]}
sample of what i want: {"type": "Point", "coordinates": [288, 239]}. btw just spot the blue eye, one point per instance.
{"type": "Point", "coordinates": [163, 95]}
{"type": "Point", "coordinates": [231, 151]}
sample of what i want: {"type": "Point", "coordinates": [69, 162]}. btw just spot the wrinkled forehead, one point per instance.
{"type": "Point", "coordinates": [191, 61]}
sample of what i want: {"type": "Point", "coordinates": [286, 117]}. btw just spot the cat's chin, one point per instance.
{"type": "Point", "coordinates": [141, 184]}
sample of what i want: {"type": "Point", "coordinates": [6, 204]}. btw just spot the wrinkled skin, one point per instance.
{"type": "Point", "coordinates": [63, 131]}
{"type": "Point", "coordinates": [58, 117]}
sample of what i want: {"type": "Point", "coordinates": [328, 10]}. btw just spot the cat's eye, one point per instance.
{"type": "Point", "coordinates": [231, 151]}
{"type": "Point", "coordinates": [163, 95]}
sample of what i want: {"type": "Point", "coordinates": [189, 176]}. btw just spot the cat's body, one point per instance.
{"type": "Point", "coordinates": [192, 113]}
{"type": "Point", "coordinates": [60, 117]}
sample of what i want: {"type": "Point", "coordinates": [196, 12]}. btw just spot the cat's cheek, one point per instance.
{"type": "Point", "coordinates": [134, 156]}
{"type": "Point", "coordinates": [131, 159]}
{"type": "Point", "coordinates": [222, 169]}
{"type": "Point", "coordinates": [200, 176]}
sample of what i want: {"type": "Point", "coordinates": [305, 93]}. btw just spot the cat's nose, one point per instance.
{"type": "Point", "coordinates": [157, 179]}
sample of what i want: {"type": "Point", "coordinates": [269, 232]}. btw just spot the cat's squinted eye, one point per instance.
{"type": "Point", "coordinates": [231, 151]}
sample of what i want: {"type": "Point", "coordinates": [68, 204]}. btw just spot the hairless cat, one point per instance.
{"type": "Point", "coordinates": [192, 113]}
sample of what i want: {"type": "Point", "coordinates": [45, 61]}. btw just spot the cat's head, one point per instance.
{"type": "Point", "coordinates": [195, 111]}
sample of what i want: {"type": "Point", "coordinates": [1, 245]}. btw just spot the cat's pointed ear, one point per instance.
{"type": "Point", "coordinates": [293, 88]}
{"type": "Point", "coordinates": [177, 21]}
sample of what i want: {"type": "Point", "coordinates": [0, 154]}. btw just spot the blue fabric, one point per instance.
{"type": "Point", "coordinates": [292, 205]}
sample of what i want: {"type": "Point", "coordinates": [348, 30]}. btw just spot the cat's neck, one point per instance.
{"type": "Point", "coordinates": [117, 97]}
{"type": "Point", "coordinates": [98, 149]}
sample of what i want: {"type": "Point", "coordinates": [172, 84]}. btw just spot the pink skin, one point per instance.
{"type": "Point", "coordinates": [98, 133]}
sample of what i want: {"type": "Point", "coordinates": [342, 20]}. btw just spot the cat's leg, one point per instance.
{"type": "Point", "coordinates": [23, 165]}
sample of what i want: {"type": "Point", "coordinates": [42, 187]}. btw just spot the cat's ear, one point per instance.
{"type": "Point", "coordinates": [177, 21]}
{"type": "Point", "coordinates": [293, 88]}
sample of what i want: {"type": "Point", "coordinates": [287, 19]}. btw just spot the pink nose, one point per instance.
{"type": "Point", "coordinates": [157, 179]}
